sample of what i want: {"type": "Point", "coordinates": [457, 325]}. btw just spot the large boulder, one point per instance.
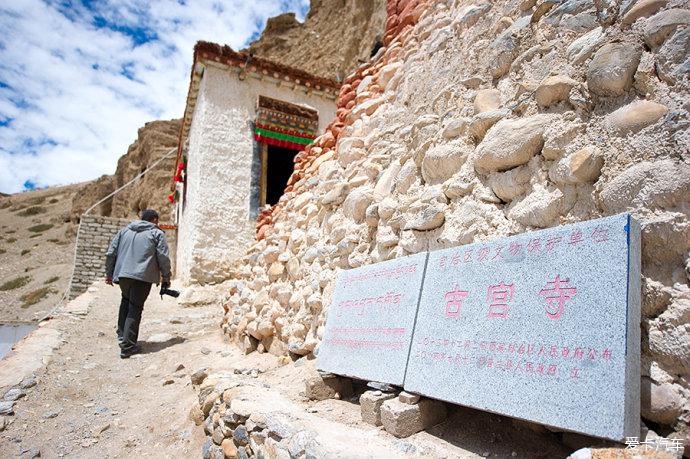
{"type": "Point", "coordinates": [356, 203]}
{"type": "Point", "coordinates": [581, 49]}
{"type": "Point", "coordinates": [661, 403]}
{"type": "Point", "coordinates": [642, 9]}
{"type": "Point", "coordinates": [554, 89]}
{"type": "Point", "coordinates": [635, 116]}
{"type": "Point", "coordinates": [650, 184]}
{"type": "Point", "coordinates": [583, 166]}
{"type": "Point", "coordinates": [612, 69]}
{"type": "Point", "coordinates": [673, 58]}
{"type": "Point", "coordinates": [510, 143]}
{"type": "Point", "coordinates": [663, 24]}
{"type": "Point", "coordinates": [540, 209]}
{"type": "Point", "coordinates": [486, 100]}
{"type": "Point", "coordinates": [442, 161]}
{"type": "Point", "coordinates": [510, 184]}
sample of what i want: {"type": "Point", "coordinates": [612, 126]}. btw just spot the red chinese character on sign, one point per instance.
{"type": "Point", "coordinates": [575, 373]}
{"type": "Point", "coordinates": [442, 262]}
{"type": "Point", "coordinates": [498, 296]}
{"type": "Point", "coordinates": [468, 256]}
{"type": "Point", "coordinates": [456, 258]}
{"type": "Point", "coordinates": [482, 253]}
{"type": "Point", "coordinates": [578, 353]}
{"type": "Point", "coordinates": [534, 245]}
{"type": "Point", "coordinates": [514, 248]}
{"type": "Point", "coordinates": [575, 237]}
{"type": "Point", "coordinates": [606, 355]}
{"type": "Point", "coordinates": [556, 295]}
{"type": "Point", "coordinates": [454, 302]}
{"type": "Point", "coordinates": [552, 370]}
{"type": "Point", "coordinates": [600, 234]}
{"type": "Point", "coordinates": [498, 253]}
{"type": "Point", "coordinates": [551, 243]}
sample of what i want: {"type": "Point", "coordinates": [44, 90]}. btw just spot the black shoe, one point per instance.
{"type": "Point", "coordinates": [125, 354]}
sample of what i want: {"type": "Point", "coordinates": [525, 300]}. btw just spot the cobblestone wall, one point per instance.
{"type": "Point", "coordinates": [95, 233]}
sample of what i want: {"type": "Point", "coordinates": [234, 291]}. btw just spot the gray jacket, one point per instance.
{"type": "Point", "coordinates": [139, 251]}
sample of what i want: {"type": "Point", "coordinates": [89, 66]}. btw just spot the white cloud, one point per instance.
{"type": "Point", "coordinates": [77, 82]}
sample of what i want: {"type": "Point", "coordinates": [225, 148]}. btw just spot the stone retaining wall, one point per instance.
{"type": "Point", "coordinates": [95, 234]}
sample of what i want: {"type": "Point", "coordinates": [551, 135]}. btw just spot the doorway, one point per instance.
{"type": "Point", "coordinates": [277, 165]}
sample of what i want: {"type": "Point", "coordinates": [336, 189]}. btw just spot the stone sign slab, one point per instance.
{"type": "Point", "coordinates": [542, 326]}
{"type": "Point", "coordinates": [370, 320]}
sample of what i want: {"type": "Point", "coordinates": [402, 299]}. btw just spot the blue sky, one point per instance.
{"type": "Point", "coordinates": [77, 79]}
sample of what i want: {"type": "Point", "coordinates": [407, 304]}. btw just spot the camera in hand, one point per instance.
{"type": "Point", "coordinates": [169, 292]}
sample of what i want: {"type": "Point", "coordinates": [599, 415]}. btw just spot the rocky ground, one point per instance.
{"type": "Point", "coordinates": [82, 400]}
{"type": "Point", "coordinates": [36, 250]}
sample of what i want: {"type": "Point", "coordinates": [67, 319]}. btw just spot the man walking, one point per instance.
{"type": "Point", "coordinates": [137, 257]}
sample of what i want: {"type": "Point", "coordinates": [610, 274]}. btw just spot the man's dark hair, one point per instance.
{"type": "Point", "coordinates": [149, 215]}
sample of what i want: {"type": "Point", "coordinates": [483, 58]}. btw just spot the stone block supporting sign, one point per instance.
{"type": "Point", "coordinates": [543, 326]}
{"type": "Point", "coordinates": [370, 320]}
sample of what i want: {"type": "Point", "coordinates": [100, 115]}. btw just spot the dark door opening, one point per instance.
{"type": "Point", "coordinates": [279, 166]}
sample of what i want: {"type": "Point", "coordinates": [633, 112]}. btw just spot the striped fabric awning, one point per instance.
{"type": "Point", "coordinates": [285, 125]}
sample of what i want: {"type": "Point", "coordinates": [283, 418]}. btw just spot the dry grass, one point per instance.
{"type": "Point", "coordinates": [34, 297]}
{"type": "Point", "coordinates": [51, 280]}
{"type": "Point", "coordinates": [24, 252]}
{"type": "Point", "coordinates": [11, 240]}
{"type": "Point", "coordinates": [40, 228]}
{"type": "Point", "coordinates": [3, 251]}
{"type": "Point", "coordinates": [15, 283]}
{"type": "Point", "coordinates": [31, 211]}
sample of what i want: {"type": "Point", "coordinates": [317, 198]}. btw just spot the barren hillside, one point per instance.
{"type": "Point", "coordinates": [36, 245]}
{"type": "Point", "coordinates": [336, 37]}
{"type": "Point", "coordinates": [154, 140]}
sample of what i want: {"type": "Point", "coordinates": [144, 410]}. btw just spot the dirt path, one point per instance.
{"type": "Point", "coordinates": [90, 403]}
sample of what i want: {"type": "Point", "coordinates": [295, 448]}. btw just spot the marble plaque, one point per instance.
{"type": "Point", "coordinates": [542, 326]}
{"type": "Point", "coordinates": [370, 320]}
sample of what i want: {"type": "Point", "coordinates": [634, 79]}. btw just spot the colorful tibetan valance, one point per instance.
{"type": "Point", "coordinates": [285, 125]}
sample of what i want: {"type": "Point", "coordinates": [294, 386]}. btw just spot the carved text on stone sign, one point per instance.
{"type": "Point", "coordinates": [556, 293]}
{"type": "Point", "coordinates": [360, 304]}
{"type": "Point", "coordinates": [364, 344]}
{"type": "Point", "coordinates": [515, 357]}
{"type": "Point", "coordinates": [534, 246]}
{"type": "Point", "coordinates": [380, 274]}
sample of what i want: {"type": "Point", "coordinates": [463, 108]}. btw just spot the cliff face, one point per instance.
{"type": "Point", "coordinates": [336, 37]}
{"type": "Point", "coordinates": [154, 140]}
{"type": "Point", "coordinates": [482, 121]}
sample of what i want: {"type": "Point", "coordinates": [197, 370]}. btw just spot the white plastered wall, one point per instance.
{"type": "Point", "coordinates": [215, 226]}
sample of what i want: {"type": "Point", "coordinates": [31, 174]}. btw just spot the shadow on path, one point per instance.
{"type": "Point", "coordinates": [149, 347]}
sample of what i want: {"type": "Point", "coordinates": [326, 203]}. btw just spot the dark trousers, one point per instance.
{"type": "Point", "coordinates": [134, 294]}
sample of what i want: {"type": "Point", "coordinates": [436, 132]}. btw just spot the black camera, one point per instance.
{"type": "Point", "coordinates": [169, 292]}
